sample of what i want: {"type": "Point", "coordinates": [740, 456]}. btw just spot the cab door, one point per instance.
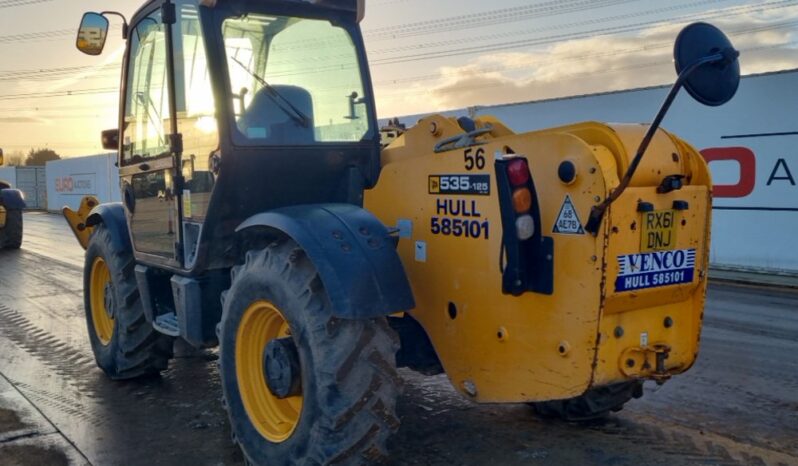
{"type": "Point", "coordinates": [147, 168]}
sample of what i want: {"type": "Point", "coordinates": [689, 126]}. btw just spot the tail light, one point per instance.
{"type": "Point", "coordinates": [525, 227]}
{"type": "Point", "coordinates": [522, 200]}
{"type": "Point", "coordinates": [527, 256]}
{"type": "Point", "coordinates": [518, 172]}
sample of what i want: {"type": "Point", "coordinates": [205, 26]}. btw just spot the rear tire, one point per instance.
{"type": "Point", "coordinates": [125, 345]}
{"type": "Point", "coordinates": [344, 411]}
{"type": "Point", "coordinates": [593, 405]}
{"type": "Point", "coordinates": [11, 234]}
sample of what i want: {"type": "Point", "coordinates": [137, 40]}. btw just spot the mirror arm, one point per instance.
{"type": "Point", "coordinates": [597, 212]}
{"type": "Point", "coordinates": [124, 21]}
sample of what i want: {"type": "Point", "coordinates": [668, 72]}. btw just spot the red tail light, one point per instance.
{"type": "Point", "coordinates": [518, 172]}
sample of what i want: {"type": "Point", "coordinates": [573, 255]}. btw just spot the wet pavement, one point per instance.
{"type": "Point", "coordinates": [737, 406]}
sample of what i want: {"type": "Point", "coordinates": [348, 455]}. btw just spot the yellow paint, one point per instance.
{"type": "Point", "coordinates": [2, 216]}
{"type": "Point", "coordinates": [77, 220]}
{"type": "Point", "coordinates": [561, 344]}
{"type": "Point", "coordinates": [101, 318]}
{"type": "Point", "coordinates": [274, 418]}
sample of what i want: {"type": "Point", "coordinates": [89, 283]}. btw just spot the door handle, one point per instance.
{"type": "Point", "coordinates": [144, 167]}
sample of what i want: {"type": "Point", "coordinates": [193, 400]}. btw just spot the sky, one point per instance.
{"type": "Point", "coordinates": [425, 56]}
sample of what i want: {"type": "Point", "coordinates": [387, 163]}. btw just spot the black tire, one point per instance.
{"type": "Point", "coordinates": [11, 234]}
{"type": "Point", "coordinates": [134, 349]}
{"type": "Point", "coordinates": [595, 404]}
{"type": "Point", "coordinates": [349, 381]}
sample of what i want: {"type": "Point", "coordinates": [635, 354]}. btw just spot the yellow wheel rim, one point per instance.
{"type": "Point", "coordinates": [98, 287]}
{"type": "Point", "coordinates": [275, 418]}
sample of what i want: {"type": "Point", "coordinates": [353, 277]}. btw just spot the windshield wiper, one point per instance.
{"type": "Point", "coordinates": [296, 114]}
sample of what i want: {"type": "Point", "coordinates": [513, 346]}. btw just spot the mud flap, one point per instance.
{"type": "Point", "coordinates": [353, 252]}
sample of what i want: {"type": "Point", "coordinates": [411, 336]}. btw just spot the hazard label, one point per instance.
{"type": "Point", "coordinates": [568, 221]}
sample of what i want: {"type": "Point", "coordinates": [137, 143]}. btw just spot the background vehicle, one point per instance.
{"type": "Point", "coordinates": [248, 145]}
{"type": "Point", "coordinates": [12, 203]}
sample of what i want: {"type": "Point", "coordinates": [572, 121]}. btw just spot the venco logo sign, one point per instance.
{"type": "Point", "coordinates": [655, 269]}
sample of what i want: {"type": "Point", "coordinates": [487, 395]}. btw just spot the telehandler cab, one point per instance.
{"type": "Point", "coordinates": [12, 203]}
{"type": "Point", "coordinates": [559, 268]}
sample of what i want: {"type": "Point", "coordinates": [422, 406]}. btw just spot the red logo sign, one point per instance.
{"type": "Point", "coordinates": [64, 184]}
{"type": "Point", "coordinates": [747, 160]}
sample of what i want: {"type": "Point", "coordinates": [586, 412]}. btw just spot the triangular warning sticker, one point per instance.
{"type": "Point", "coordinates": [568, 221]}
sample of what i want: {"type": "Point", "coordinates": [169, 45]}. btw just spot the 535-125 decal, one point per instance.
{"type": "Point", "coordinates": [473, 185]}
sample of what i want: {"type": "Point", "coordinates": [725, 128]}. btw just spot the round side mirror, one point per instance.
{"type": "Point", "coordinates": [92, 34]}
{"type": "Point", "coordinates": [713, 83]}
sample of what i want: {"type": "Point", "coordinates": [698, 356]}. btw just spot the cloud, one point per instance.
{"type": "Point", "coordinates": [768, 41]}
{"type": "Point", "coordinates": [21, 119]}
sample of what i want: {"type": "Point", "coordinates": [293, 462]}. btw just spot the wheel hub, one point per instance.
{"type": "Point", "coordinates": [281, 368]}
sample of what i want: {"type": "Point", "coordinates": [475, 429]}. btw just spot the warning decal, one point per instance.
{"type": "Point", "coordinates": [568, 221]}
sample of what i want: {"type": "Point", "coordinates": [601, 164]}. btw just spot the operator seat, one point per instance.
{"type": "Point", "coordinates": [265, 120]}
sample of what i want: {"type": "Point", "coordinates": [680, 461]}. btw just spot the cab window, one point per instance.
{"type": "Point", "coordinates": [196, 112]}
{"type": "Point", "coordinates": [294, 81]}
{"type": "Point", "coordinates": [146, 116]}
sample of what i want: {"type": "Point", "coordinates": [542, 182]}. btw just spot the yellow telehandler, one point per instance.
{"type": "Point", "coordinates": [560, 268]}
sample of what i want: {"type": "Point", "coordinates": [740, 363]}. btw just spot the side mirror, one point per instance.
{"type": "Point", "coordinates": [707, 65]}
{"type": "Point", "coordinates": [356, 6]}
{"type": "Point", "coordinates": [712, 83]}
{"type": "Point", "coordinates": [110, 139]}
{"type": "Point", "coordinates": [361, 10]}
{"type": "Point", "coordinates": [92, 34]}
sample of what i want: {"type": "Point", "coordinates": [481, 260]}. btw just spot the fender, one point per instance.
{"type": "Point", "coordinates": [353, 253]}
{"type": "Point", "coordinates": [12, 199]}
{"type": "Point", "coordinates": [112, 215]}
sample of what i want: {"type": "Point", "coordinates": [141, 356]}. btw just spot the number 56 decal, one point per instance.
{"type": "Point", "coordinates": [474, 159]}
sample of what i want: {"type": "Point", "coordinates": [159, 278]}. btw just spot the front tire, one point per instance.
{"type": "Point", "coordinates": [11, 234]}
{"type": "Point", "coordinates": [343, 410]}
{"type": "Point", "coordinates": [125, 345]}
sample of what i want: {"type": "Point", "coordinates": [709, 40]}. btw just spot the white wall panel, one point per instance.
{"type": "Point", "coordinates": [68, 180]}
{"type": "Point", "coordinates": [9, 174]}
